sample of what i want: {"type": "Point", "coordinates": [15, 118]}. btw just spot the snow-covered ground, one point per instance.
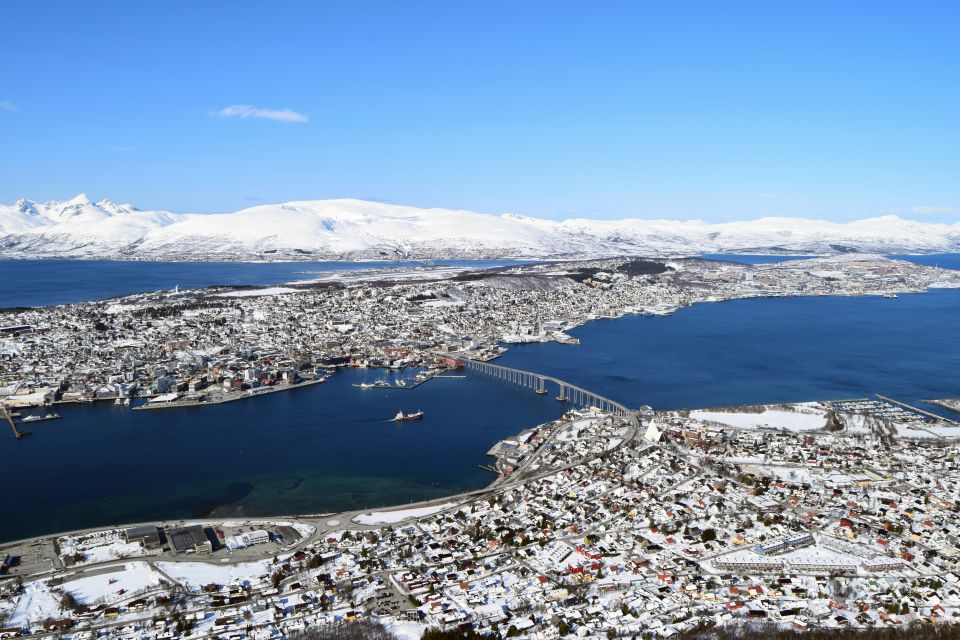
{"type": "Point", "coordinates": [197, 574]}
{"type": "Point", "coordinates": [808, 416]}
{"type": "Point", "coordinates": [860, 422]}
{"type": "Point", "coordinates": [99, 546]}
{"type": "Point", "coordinates": [35, 605]}
{"type": "Point", "coordinates": [923, 430]}
{"type": "Point", "coordinates": [406, 630]}
{"type": "Point", "coordinates": [790, 474]}
{"type": "Point", "coordinates": [391, 517]}
{"type": "Point", "coordinates": [130, 578]}
{"type": "Point", "coordinates": [251, 293]}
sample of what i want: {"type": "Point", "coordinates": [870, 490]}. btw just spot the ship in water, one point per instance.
{"type": "Point", "coordinates": [403, 417]}
{"type": "Point", "coordinates": [890, 296]}
{"type": "Point", "coordinates": [38, 418]}
{"type": "Point", "coordinates": [379, 384]}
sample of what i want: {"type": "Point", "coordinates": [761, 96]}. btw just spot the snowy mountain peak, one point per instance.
{"type": "Point", "coordinates": [26, 206]}
{"type": "Point", "coordinates": [349, 229]}
{"type": "Point", "coordinates": [114, 208]}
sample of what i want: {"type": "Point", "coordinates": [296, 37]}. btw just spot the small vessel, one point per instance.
{"type": "Point", "coordinates": [403, 417]}
{"type": "Point", "coordinates": [126, 401]}
{"type": "Point", "coordinates": [364, 385]}
{"type": "Point", "coordinates": [36, 418]}
{"type": "Point", "coordinates": [890, 296]}
{"type": "Point", "coordinates": [118, 401]}
{"type": "Point", "coordinates": [401, 383]}
{"type": "Point", "coordinates": [382, 384]}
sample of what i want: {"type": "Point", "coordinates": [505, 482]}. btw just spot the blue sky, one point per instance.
{"type": "Point", "coordinates": [678, 109]}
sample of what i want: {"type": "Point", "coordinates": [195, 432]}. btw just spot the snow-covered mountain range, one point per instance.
{"type": "Point", "coordinates": [357, 229]}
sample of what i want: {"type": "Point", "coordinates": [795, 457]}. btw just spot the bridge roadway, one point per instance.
{"type": "Point", "coordinates": [538, 383]}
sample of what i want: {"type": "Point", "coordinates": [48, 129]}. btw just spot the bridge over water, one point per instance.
{"type": "Point", "coordinates": [565, 391]}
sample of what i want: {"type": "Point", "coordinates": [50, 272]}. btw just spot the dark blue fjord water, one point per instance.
{"type": "Point", "coordinates": [38, 283]}
{"type": "Point", "coordinates": [315, 449]}
{"type": "Point", "coordinates": [765, 350]}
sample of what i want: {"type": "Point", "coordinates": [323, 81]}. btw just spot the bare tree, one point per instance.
{"type": "Point", "coordinates": [360, 630]}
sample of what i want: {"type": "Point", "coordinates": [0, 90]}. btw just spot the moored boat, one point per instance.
{"type": "Point", "coordinates": [37, 418]}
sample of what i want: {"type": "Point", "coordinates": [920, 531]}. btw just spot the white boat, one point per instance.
{"type": "Point", "coordinates": [403, 417]}
{"type": "Point", "coordinates": [890, 296]}
{"type": "Point", "coordinates": [36, 418]}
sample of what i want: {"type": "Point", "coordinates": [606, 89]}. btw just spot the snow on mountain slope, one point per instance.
{"type": "Point", "coordinates": [75, 227]}
{"type": "Point", "coordinates": [349, 228]}
{"type": "Point", "coordinates": [357, 229]}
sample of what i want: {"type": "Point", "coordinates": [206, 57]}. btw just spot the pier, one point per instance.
{"type": "Point", "coordinates": [926, 414]}
{"type": "Point", "coordinates": [13, 426]}
{"type": "Point", "coordinates": [538, 384]}
{"type": "Point", "coordinates": [952, 404]}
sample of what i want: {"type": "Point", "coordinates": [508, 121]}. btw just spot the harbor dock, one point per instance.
{"type": "Point", "coordinates": [222, 397]}
{"type": "Point", "coordinates": [13, 427]}
{"type": "Point", "coordinates": [953, 404]}
{"type": "Point", "coordinates": [926, 414]}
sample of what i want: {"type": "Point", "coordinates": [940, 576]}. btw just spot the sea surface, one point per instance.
{"type": "Point", "coordinates": [38, 283]}
{"type": "Point", "coordinates": [326, 447]}
{"type": "Point", "coordinates": [331, 447]}
{"type": "Point", "coordinates": [765, 350]}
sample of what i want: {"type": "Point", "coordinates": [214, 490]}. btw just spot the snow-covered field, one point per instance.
{"type": "Point", "coordinates": [790, 474]}
{"type": "Point", "coordinates": [391, 517]}
{"type": "Point", "coordinates": [195, 575]}
{"type": "Point", "coordinates": [130, 578]}
{"type": "Point", "coordinates": [922, 430]}
{"type": "Point", "coordinates": [35, 605]}
{"type": "Point", "coordinates": [807, 416]}
{"type": "Point", "coordinates": [251, 293]}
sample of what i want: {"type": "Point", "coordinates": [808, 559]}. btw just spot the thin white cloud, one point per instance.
{"type": "Point", "coordinates": [934, 210]}
{"type": "Point", "coordinates": [247, 111]}
{"type": "Point", "coordinates": [122, 149]}
{"type": "Point", "coordinates": [6, 105]}
{"type": "Point", "coordinates": [767, 195]}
